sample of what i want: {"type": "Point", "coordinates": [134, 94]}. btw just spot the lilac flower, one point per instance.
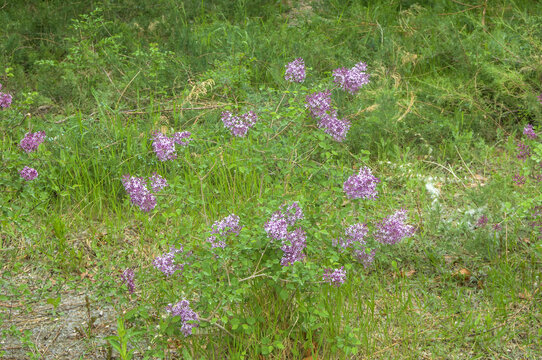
{"type": "Point", "coordinates": [277, 227]}
{"type": "Point", "coordinates": [333, 126]}
{"type": "Point", "coordinates": [166, 263]}
{"type": "Point", "coordinates": [335, 276]}
{"type": "Point", "coordinates": [353, 79]}
{"type": "Point", "coordinates": [189, 318]}
{"type": "Point", "coordinates": [28, 173]}
{"type": "Point", "coordinates": [293, 242]}
{"type": "Point", "coordinates": [5, 100]}
{"type": "Point", "coordinates": [362, 185]}
{"type": "Point", "coordinates": [393, 229]}
{"type": "Point", "coordinates": [295, 71]}
{"type": "Point", "coordinates": [529, 131]}
{"type": "Point", "coordinates": [157, 182]}
{"type": "Point", "coordinates": [497, 227]}
{"type": "Point", "coordinates": [127, 277]}
{"type": "Point", "coordinates": [163, 146]}
{"type": "Point", "coordinates": [136, 187]}
{"type": "Point", "coordinates": [366, 258]}
{"type": "Point", "coordinates": [353, 234]}
{"type": "Point", "coordinates": [540, 98]}
{"type": "Point", "coordinates": [182, 138]}
{"type": "Point", "coordinates": [293, 246]}
{"type": "Point", "coordinates": [31, 141]}
{"type": "Point", "coordinates": [319, 104]}
{"type": "Point", "coordinates": [221, 229]}
{"type": "Point", "coordinates": [239, 125]}
{"type": "Point", "coordinates": [519, 179]}
{"type": "Point", "coordinates": [523, 151]}
{"type": "Point", "coordinates": [482, 221]}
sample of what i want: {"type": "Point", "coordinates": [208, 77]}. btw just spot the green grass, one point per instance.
{"type": "Point", "coordinates": [451, 89]}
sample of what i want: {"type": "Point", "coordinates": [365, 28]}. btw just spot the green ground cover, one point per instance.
{"type": "Point", "coordinates": [452, 87]}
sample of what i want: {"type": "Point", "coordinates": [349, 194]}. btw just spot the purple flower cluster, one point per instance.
{"type": "Point", "coordinates": [353, 234]}
{"type": "Point", "coordinates": [293, 242]}
{"type": "Point", "coordinates": [189, 318]}
{"type": "Point", "coordinates": [127, 278]}
{"type": "Point", "coordinates": [335, 276]}
{"type": "Point", "coordinates": [362, 185]}
{"type": "Point", "coordinates": [524, 151]}
{"type": "Point", "coordinates": [136, 187]}
{"type": "Point", "coordinates": [353, 79]}
{"type": "Point", "coordinates": [166, 263]}
{"type": "Point", "coordinates": [319, 104]}
{"type": "Point", "coordinates": [239, 125]}
{"type": "Point", "coordinates": [277, 227]}
{"type": "Point", "coordinates": [482, 221]}
{"type": "Point", "coordinates": [221, 229]}
{"type": "Point", "coordinates": [393, 229]}
{"type": "Point", "coordinates": [529, 131]}
{"type": "Point", "coordinates": [295, 71]}
{"type": "Point", "coordinates": [164, 146]}
{"type": "Point", "coordinates": [5, 99]}
{"type": "Point", "coordinates": [366, 258]}
{"type": "Point", "coordinates": [157, 182]}
{"type": "Point", "coordinates": [292, 247]}
{"type": "Point", "coordinates": [540, 98]}
{"type": "Point", "coordinates": [28, 173]}
{"type": "Point", "coordinates": [31, 141]}
{"type": "Point", "coordinates": [519, 179]}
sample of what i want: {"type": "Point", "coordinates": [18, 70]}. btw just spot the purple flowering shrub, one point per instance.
{"type": "Point", "coordinates": [164, 146]}
{"type": "Point", "coordinates": [32, 141]}
{"type": "Point", "coordinates": [167, 263]}
{"type": "Point", "coordinates": [353, 79]}
{"type": "Point", "coordinates": [292, 242]}
{"type": "Point", "coordinates": [239, 124]}
{"type": "Point", "coordinates": [295, 71]}
{"type": "Point", "coordinates": [529, 153]}
{"type": "Point", "coordinates": [138, 190]}
{"type": "Point", "coordinates": [361, 185]}
{"type": "Point", "coordinates": [222, 228]}
{"type": "Point", "coordinates": [5, 99]}
{"type": "Point", "coordinates": [28, 173]}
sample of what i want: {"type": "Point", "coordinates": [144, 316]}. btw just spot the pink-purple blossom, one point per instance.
{"type": "Point", "coordinates": [295, 71]}
{"type": "Point", "coordinates": [524, 151]}
{"type": "Point", "coordinates": [353, 234]}
{"type": "Point", "coordinates": [519, 179]}
{"type": "Point", "coordinates": [365, 257]}
{"type": "Point", "coordinates": [336, 277]}
{"type": "Point", "coordinates": [292, 242]}
{"type": "Point", "coordinates": [361, 185]}
{"type": "Point", "coordinates": [157, 182]}
{"type": "Point", "coordinates": [136, 187]}
{"type": "Point", "coordinates": [189, 318]}
{"type": "Point", "coordinates": [319, 105]}
{"type": "Point", "coordinates": [293, 246]}
{"type": "Point", "coordinates": [277, 227]}
{"type": "Point", "coordinates": [127, 278]}
{"type": "Point", "coordinates": [167, 264]}
{"type": "Point", "coordinates": [222, 228]}
{"type": "Point", "coordinates": [31, 141]}
{"type": "Point", "coordinates": [482, 221]}
{"type": "Point", "coordinates": [239, 124]}
{"type": "Point", "coordinates": [28, 173]}
{"type": "Point", "coordinates": [394, 228]}
{"type": "Point", "coordinates": [5, 100]}
{"type": "Point", "coordinates": [164, 146]}
{"type": "Point", "coordinates": [540, 98]}
{"type": "Point", "coordinates": [353, 79]}
{"type": "Point", "coordinates": [529, 132]}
